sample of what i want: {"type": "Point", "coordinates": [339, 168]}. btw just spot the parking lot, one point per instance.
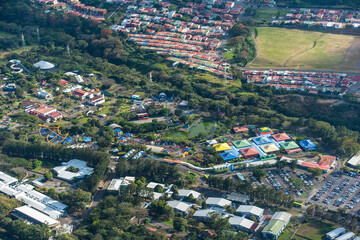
{"type": "Point", "coordinates": [338, 190]}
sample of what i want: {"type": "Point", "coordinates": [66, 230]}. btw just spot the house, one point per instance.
{"type": "Point", "coordinates": [28, 103]}
{"type": "Point", "coordinates": [73, 169]}
{"type": "Point", "coordinates": [78, 93]}
{"type": "Point", "coordinates": [63, 82]}
{"type": "Point", "coordinates": [290, 147]}
{"type": "Point", "coordinates": [308, 145]}
{"type": "Point", "coordinates": [186, 193]}
{"type": "Point", "coordinates": [241, 143]}
{"type": "Point", "coordinates": [152, 185]}
{"type": "Point", "coordinates": [203, 214]}
{"type": "Point", "coordinates": [248, 211]}
{"type": "Point", "coordinates": [229, 155]}
{"type": "Point", "coordinates": [96, 100]}
{"type": "Point", "coordinates": [34, 216]}
{"type": "Point", "coordinates": [240, 129]}
{"type": "Point", "coordinates": [217, 202]}
{"type": "Point", "coordinates": [261, 140]}
{"type": "Point", "coordinates": [281, 137]}
{"type": "Point", "coordinates": [249, 152]}
{"type": "Point", "coordinates": [180, 207]}
{"type": "Point", "coordinates": [243, 224]}
{"type": "Point", "coordinates": [269, 148]}
{"type": "Point", "coordinates": [220, 147]}
{"type": "Point", "coordinates": [43, 94]}
{"type": "Point", "coordinates": [335, 233]}
{"type": "Point", "coordinates": [263, 131]}
{"type": "Point", "coordinates": [276, 225]}
{"type": "Point", "coordinates": [238, 198]}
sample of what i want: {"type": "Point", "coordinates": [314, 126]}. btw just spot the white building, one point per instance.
{"type": "Point", "coordinates": [335, 233]}
{"type": "Point", "coordinates": [248, 210]}
{"type": "Point", "coordinates": [152, 185]}
{"type": "Point", "coordinates": [203, 214]}
{"type": "Point", "coordinates": [354, 161]}
{"type": "Point", "coordinates": [186, 193]}
{"type": "Point", "coordinates": [7, 179]}
{"type": "Point", "coordinates": [35, 199]}
{"type": "Point", "coordinates": [65, 174]}
{"type": "Point", "coordinates": [282, 216]}
{"type": "Point", "coordinates": [43, 94]}
{"type": "Point", "coordinates": [34, 216]}
{"type": "Point", "coordinates": [217, 202]}
{"type": "Point", "coordinates": [243, 224]}
{"type": "Point", "coordinates": [179, 207]}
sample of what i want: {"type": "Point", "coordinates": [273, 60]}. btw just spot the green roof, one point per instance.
{"type": "Point", "coordinates": [268, 157]}
{"type": "Point", "coordinates": [274, 227]}
{"type": "Point", "coordinates": [241, 143]}
{"type": "Point", "coordinates": [289, 145]}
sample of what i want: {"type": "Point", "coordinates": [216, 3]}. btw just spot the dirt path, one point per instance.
{"type": "Point", "coordinates": [306, 50]}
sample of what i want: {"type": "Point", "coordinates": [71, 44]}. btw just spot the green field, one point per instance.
{"type": "Point", "coordinates": [204, 127]}
{"type": "Point", "coordinates": [313, 229]}
{"type": "Point", "coordinates": [269, 13]}
{"type": "Point", "coordinates": [298, 49]}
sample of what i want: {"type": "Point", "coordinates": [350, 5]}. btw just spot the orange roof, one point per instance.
{"type": "Point", "coordinates": [326, 160]}
{"type": "Point", "coordinates": [63, 82]}
{"type": "Point", "coordinates": [280, 137]}
{"type": "Point", "coordinates": [315, 165]}
{"type": "Point", "coordinates": [240, 129]}
{"type": "Point", "coordinates": [249, 151]}
{"type": "Point", "coordinates": [44, 109]}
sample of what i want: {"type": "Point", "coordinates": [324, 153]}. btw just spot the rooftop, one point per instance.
{"type": "Point", "coordinates": [186, 193]}
{"type": "Point", "coordinates": [289, 145]}
{"type": "Point", "coordinates": [274, 227]}
{"type": "Point", "coordinates": [250, 209]}
{"type": "Point", "coordinates": [221, 147]}
{"type": "Point", "coordinates": [222, 202]}
{"type": "Point", "coordinates": [180, 206]}
{"type": "Point", "coordinates": [243, 222]}
{"type": "Point", "coordinates": [69, 176]}
{"type": "Point", "coordinates": [241, 143]}
{"type": "Point", "coordinates": [281, 137]}
{"type": "Point", "coordinates": [268, 148]}
{"type": "Point", "coordinates": [249, 151]}
{"type": "Point", "coordinates": [34, 214]}
{"type": "Point", "coordinates": [44, 65]}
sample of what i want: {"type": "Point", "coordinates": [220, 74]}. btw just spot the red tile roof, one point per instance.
{"type": "Point", "coordinates": [281, 137]}
{"type": "Point", "coordinates": [326, 160]}
{"type": "Point", "coordinates": [249, 151]}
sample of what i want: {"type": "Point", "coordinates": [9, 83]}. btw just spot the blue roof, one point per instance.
{"type": "Point", "coordinates": [122, 138]}
{"type": "Point", "coordinates": [188, 149]}
{"type": "Point", "coordinates": [229, 155]}
{"type": "Point", "coordinates": [116, 130]}
{"type": "Point", "coordinates": [128, 134]}
{"type": "Point", "coordinates": [87, 139]}
{"type": "Point", "coordinates": [261, 140]}
{"type": "Point", "coordinates": [307, 144]}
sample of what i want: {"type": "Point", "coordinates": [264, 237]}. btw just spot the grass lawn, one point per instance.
{"type": "Point", "coordinates": [169, 223]}
{"type": "Point", "coordinates": [177, 134]}
{"type": "Point", "coordinates": [268, 13]}
{"type": "Point", "coordinates": [203, 127]}
{"type": "Point", "coordinates": [298, 49]}
{"type": "Point", "coordinates": [313, 229]}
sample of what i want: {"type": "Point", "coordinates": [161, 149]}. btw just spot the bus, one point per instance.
{"type": "Point", "coordinates": [142, 116]}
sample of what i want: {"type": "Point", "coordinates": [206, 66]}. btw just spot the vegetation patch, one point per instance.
{"type": "Point", "coordinates": [298, 49]}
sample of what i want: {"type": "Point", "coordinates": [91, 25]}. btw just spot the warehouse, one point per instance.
{"type": "Point", "coordinates": [34, 216]}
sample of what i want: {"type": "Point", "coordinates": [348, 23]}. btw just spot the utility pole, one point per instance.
{"type": "Point", "coordinates": [23, 40]}
{"type": "Point", "coordinates": [38, 35]}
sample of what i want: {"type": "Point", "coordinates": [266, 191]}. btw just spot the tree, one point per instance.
{"type": "Point", "coordinates": [293, 164]}
{"type": "Point", "coordinates": [159, 189]}
{"type": "Point", "coordinates": [259, 173]}
{"type": "Point", "coordinates": [218, 222]}
{"type": "Point", "coordinates": [36, 163]}
{"type": "Point", "coordinates": [315, 172]}
{"type": "Point", "coordinates": [180, 224]}
{"type": "Point", "coordinates": [48, 176]}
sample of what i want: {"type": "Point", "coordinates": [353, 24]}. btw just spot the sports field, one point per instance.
{"type": "Point", "coordinates": [298, 49]}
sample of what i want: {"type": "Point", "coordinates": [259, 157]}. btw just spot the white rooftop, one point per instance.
{"type": "Point", "coordinates": [36, 215]}
{"type": "Point", "coordinates": [44, 65]}
{"type": "Point", "coordinates": [180, 206]}
{"type": "Point", "coordinates": [153, 185]}
{"type": "Point", "coordinates": [7, 179]}
{"type": "Point", "coordinates": [186, 193]}
{"type": "Point", "coordinates": [355, 160]}
{"type": "Point", "coordinates": [221, 202]}
{"type": "Point", "coordinates": [240, 221]}
{"type": "Point", "coordinates": [282, 216]}
{"type": "Point", "coordinates": [203, 212]}
{"type": "Point", "coordinates": [256, 211]}
{"type": "Point", "coordinates": [69, 176]}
